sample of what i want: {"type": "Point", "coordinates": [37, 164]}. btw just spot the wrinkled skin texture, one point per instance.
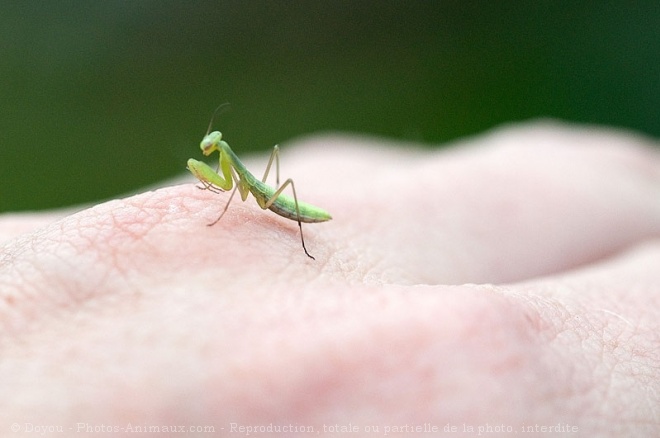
{"type": "Point", "coordinates": [510, 280]}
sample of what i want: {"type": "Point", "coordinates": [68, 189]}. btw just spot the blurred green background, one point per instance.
{"type": "Point", "coordinates": [100, 98]}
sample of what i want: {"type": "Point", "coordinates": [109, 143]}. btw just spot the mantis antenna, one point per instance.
{"type": "Point", "coordinates": [219, 110]}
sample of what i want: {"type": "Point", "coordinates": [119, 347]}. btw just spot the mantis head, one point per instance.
{"type": "Point", "coordinates": [210, 142]}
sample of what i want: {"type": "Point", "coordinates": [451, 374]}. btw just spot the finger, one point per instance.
{"type": "Point", "coordinates": [514, 204]}
{"type": "Point", "coordinates": [602, 323]}
{"type": "Point", "coordinates": [620, 294]}
{"type": "Point", "coordinates": [126, 248]}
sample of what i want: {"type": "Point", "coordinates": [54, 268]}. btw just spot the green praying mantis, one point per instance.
{"type": "Point", "coordinates": [234, 172]}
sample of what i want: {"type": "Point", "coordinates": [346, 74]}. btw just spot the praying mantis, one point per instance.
{"type": "Point", "coordinates": [235, 172]}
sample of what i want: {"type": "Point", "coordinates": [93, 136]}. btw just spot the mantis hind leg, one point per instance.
{"type": "Point", "coordinates": [295, 198]}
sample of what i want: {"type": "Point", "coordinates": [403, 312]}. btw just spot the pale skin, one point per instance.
{"type": "Point", "coordinates": [510, 281]}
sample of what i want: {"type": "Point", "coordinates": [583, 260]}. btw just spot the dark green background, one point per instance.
{"type": "Point", "coordinates": [102, 97]}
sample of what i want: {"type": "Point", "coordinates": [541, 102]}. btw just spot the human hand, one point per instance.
{"type": "Point", "coordinates": [133, 312]}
